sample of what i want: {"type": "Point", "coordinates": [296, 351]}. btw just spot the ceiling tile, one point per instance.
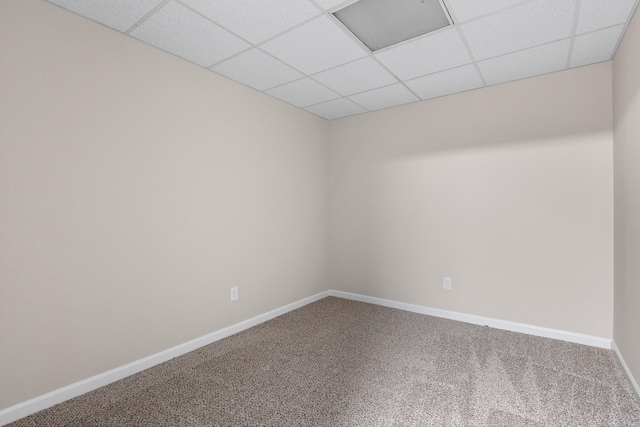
{"type": "Point", "coordinates": [463, 10]}
{"type": "Point", "coordinates": [242, 68]}
{"type": "Point", "coordinates": [336, 109]}
{"type": "Point", "coordinates": [384, 97]}
{"type": "Point", "coordinates": [543, 59]}
{"type": "Point", "coordinates": [331, 4]}
{"type": "Point", "coordinates": [359, 76]}
{"type": "Point", "coordinates": [297, 51]}
{"type": "Point", "coordinates": [118, 14]}
{"type": "Point", "coordinates": [522, 27]}
{"type": "Point", "coordinates": [597, 14]}
{"type": "Point", "coordinates": [178, 30]}
{"type": "Point", "coordinates": [303, 93]}
{"type": "Point", "coordinates": [446, 82]}
{"type": "Point", "coordinates": [595, 47]}
{"type": "Point", "coordinates": [256, 20]}
{"type": "Point", "coordinates": [315, 46]}
{"type": "Point", "coordinates": [426, 55]}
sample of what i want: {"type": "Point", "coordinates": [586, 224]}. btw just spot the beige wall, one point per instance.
{"type": "Point", "coordinates": [626, 107]}
{"type": "Point", "coordinates": [135, 190]}
{"type": "Point", "coordinates": [508, 190]}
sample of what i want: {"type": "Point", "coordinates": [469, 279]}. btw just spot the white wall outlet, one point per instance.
{"type": "Point", "coordinates": [446, 282]}
{"type": "Point", "coordinates": [234, 293]}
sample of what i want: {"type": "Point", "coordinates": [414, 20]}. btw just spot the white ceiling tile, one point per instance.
{"type": "Point", "coordinates": [522, 27]}
{"type": "Point", "coordinates": [303, 93]}
{"type": "Point", "coordinates": [297, 51]}
{"type": "Point", "coordinates": [315, 46]}
{"type": "Point", "coordinates": [330, 4]}
{"type": "Point", "coordinates": [539, 60]}
{"type": "Point", "coordinates": [446, 82]}
{"type": "Point", "coordinates": [595, 47]}
{"type": "Point", "coordinates": [336, 109]}
{"type": "Point", "coordinates": [178, 30]}
{"type": "Point", "coordinates": [469, 9]}
{"type": "Point", "coordinates": [118, 14]}
{"type": "Point", "coordinates": [359, 76]}
{"type": "Point", "coordinates": [242, 68]}
{"type": "Point", "coordinates": [384, 97]}
{"type": "Point", "coordinates": [426, 55]}
{"type": "Point", "coordinates": [597, 14]}
{"type": "Point", "coordinates": [256, 20]}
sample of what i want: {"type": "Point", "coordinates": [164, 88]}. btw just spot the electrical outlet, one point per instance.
{"type": "Point", "coordinates": [234, 293]}
{"type": "Point", "coordinates": [446, 282]}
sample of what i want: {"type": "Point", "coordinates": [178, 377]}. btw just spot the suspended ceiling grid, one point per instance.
{"type": "Point", "coordinates": [297, 51]}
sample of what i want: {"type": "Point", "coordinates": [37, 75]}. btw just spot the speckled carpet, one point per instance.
{"type": "Point", "coordinates": [344, 363]}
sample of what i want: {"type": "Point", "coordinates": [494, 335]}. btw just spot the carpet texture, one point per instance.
{"type": "Point", "coordinates": [343, 363]}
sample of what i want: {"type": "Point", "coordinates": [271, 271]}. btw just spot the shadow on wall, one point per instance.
{"type": "Point", "coordinates": [568, 103]}
{"type": "Point", "coordinates": [508, 190]}
{"type": "Point", "coordinates": [626, 83]}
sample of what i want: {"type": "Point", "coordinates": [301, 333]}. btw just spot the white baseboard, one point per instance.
{"type": "Point", "coordinates": [21, 410]}
{"type": "Point", "coordinates": [479, 320]}
{"type": "Point", "coordinates": [632, 380]}
{"type": "Point", "coordinates": [60, 395]}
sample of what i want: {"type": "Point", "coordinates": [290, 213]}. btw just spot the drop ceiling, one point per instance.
{"type": "Point", "coordinates": [297, 51]}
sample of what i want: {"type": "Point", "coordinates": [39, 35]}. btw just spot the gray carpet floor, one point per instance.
{"type": "Point", "coordinates": [343, 363]}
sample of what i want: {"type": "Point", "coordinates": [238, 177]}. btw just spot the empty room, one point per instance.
{"type": "Point", "coordinates": [319, 213]}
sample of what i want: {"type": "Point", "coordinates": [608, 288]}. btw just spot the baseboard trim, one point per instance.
{"type": "Point", "coordinates": [627, 371]}
{"type": "Point", "coordinates": [29, 407]}
{"type": "Point", "coordinates": [479, 320]}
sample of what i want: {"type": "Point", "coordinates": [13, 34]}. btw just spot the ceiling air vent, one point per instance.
{"type": "Point", "coordinates": [382, 23]}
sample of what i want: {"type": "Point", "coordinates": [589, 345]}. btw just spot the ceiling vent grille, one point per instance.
{"type": "Point", "coordinates": [382, 23]}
